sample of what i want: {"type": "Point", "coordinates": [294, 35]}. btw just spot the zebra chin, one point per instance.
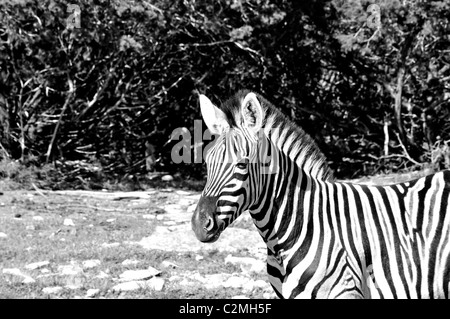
{"type": "Point", "coordinates": [206, 236]}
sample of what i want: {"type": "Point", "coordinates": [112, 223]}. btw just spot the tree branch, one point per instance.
{"type": "Point", "coordinates": [58, 124]}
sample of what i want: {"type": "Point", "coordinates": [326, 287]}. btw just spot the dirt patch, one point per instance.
{"type": "Point", "coordinates": [79, 244]}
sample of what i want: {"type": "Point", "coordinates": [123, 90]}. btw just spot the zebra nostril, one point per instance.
{"type": "Point", "coordinates": [209, 224]}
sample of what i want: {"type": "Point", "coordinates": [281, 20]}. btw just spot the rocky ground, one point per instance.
{"type": "Point", "coordinates": [79, 244]}
{"type": "Point", "coordinates": [85, 244]}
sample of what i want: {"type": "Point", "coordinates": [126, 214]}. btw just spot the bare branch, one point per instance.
{"type": "Point", "coordinates": [406, 152]}
{"type": "Point", "coordinates": [58, 124]}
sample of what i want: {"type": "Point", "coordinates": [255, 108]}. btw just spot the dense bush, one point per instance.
{"type": "Point", "coordinates": [375, 99]}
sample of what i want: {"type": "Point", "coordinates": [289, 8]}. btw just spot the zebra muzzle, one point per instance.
{"type": "Point", "coordinates": [205, 222]}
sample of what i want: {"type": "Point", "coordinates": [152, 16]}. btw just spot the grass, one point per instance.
{"type": "Point", "coordinates": [36, 232]}
{"type": "Point", "coordinates": [31, 240]}
{"type": "Point", "coordinates": [83, 175]}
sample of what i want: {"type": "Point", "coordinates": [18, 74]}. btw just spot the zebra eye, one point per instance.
{"type": "Point", "coordinates": [242, 164]}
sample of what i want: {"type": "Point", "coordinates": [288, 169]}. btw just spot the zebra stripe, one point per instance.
{"type": "Point", "coordinates": [325, 239]}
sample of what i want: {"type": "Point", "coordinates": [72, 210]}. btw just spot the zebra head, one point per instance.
{"type": "Point", "coordinates": [233, 163]}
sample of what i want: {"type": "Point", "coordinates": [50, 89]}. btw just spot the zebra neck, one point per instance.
{"type": "Point", "coordinates": [297, 167]}
{"type": "Point", "coordinates": [293, 143]}
{"type": "Point", "coordinates": [288, 202]}
{"type": "Point", "coordinates": [282, 195]}
{"type": "Point", "coordinates": [288, 196]}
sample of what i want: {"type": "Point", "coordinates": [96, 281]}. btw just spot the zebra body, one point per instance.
{"type": "Point", "coordinates": [363, 241]}
{"type": "Point", "coordinates": [325, 239]}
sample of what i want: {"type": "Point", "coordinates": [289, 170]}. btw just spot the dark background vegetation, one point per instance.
{"type": "Point", "coordinates": [79, 104]}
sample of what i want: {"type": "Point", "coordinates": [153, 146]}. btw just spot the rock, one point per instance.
{"type": "Point", "coordinates": [175, 278]}
{"type": "Point", "coordinates": [211, 281]}
{"type": "Point", "coordinates": [28, 280]}
{"type": "Point", "coordinates": [130, 262]}
{"type": "Point", "coordinates": [37, 265]}
{"type": "Point", "coordinates": [168, 264]}
{"type": "Point", "coordinates": [174, 208]}
{"type": "Point", "coordinates": [110, 245]}
{"type": "Point", "coordinates": [269, 295]}
{"type": "Point", "coordinates": [3, 235]}
{"type": "Point", "coordinates": [17, 215]}
{"type": "Point", "coordinates": [191, 208]}
{"type": "Point", "coordinates": [52, 290]}
{"type": "Point", "coordinates": [102, 275]}
{"type": "Point", "coordinates": [227, 281]}
{"type": "Point", "coordinates": [129, 286]}
{"type": "Point", "coordinates": [72, 287]}
{"type": "Point", "coordinates": [167, 178]}
{"type": "Point", "coordinates": [183, 193]}
{"type": "Point", "coordinates": [38, 218]}
{"type": "Point", "coordinates": [199, 257]}
{"type": "Point", "coordinates": [240, 297]}
{"type": "Point", "coordinates": [155, 283]}
{"type": "Point", "coordinates": [248, 286]}
{"type": "Point", "coordinates": [247, 264]}
{"type": "Point", "coordinates": [237, 282]}
{"type": "Point", "coordinates": [16, 272]}
{"type": "Point", "coordinates": [174, 228]}
{"type": "Point", "coordinates": [261, 284]}
{"type": "Point", "coordinates": [92, 263]}
{"type": "Point", "coordinates": [73, 282]}
{"type": "Point", "coordinates": [91, 293]}
{"type": "Point", "coordinates": [182, 239]}
{"type": "Point", "coordinates": [111, 220]}
{"type": "Point", "coordinates": [68, 222]}
{"type": "Point", "coordinates": [70, 270]}
{"type": "Point", "coordinates": [47, 275]}
{"type": "Point", "coordinates": [186, 282]}
{"type": "Point", "coordinates": [158, 211]}
{"type": "Point", "coordinates": [140, 274]}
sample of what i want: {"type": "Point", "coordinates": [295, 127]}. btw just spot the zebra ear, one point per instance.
{"type": "Point", "coordinates": [214, 118]}
{"type": "Point", "coordinates": [252, 112]}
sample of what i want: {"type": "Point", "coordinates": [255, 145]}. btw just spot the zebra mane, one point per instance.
{"type": "Point", "coordinates": [289, 138]}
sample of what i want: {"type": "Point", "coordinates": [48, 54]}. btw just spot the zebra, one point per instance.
{"type": "Point", "coordinates": [325, 239]}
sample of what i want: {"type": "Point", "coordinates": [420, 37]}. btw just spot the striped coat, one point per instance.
{"type": "Point", "coordinates": [325, 239]}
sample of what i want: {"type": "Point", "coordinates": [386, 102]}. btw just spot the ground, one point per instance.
{"type": "Point", "coordinates": [84, 244]}
{"type": "Point", "coordinates": [99, 244]}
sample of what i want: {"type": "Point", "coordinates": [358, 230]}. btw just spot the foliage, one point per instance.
{"type": "Point", "coordinates": [129, 72]}
{"type": "Point", "coordinates": [408, 63]}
